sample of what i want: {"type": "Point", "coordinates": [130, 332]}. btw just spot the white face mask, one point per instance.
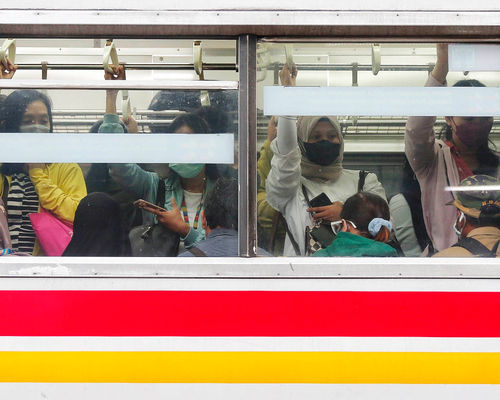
{"type": "Point", "coordinates": [459, 220]}
{"type": "Point", "coordinates": [34, 128]}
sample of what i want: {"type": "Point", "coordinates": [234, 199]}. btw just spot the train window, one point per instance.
{"type": "Point", "coordinates": [333, 119]}
{"type": "Point", "coordinates": [125, 147]}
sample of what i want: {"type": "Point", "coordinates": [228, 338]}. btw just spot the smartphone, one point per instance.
{"type": "Point", "coordinates": [147, 205]}
{"type": "Point", "coordinates": [320, 200]}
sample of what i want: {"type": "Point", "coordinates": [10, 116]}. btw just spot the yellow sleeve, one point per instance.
{"type": "Point", "coordinates": [60, 188]}
{"type": "Point", "coordinates": [264, 162]}
{"type": "Point", "coordinates": [9, 179]}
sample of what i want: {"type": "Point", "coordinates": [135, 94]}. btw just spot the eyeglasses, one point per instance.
{"type": "Point", "coordinates": [337, 225]}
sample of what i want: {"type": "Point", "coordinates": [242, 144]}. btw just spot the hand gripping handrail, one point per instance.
{"type": "Point", "coordinates": [198, 67]}
{"type": "Point", "coordinates": [110, 52]}
{"type": "Point", "coordinates": [8, 46]}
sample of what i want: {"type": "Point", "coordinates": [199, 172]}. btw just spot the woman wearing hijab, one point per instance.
{"type": "Point", "coordinates": [97, 230]}
{"type": "Point", "coordinates": [308, 156]}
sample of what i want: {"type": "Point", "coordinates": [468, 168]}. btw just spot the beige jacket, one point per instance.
{"type": "Point", "coordinates": [487, 235]}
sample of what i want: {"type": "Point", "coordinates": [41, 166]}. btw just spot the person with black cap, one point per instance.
{"type": "Point", "coordinates": [477, 200]}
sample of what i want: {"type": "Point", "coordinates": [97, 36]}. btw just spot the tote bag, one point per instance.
{"type": "Point", "coordinates": [53, 234]}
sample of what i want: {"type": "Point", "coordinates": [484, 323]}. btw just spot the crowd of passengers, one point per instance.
{"type": "Point", "coordinates": [308, 204]}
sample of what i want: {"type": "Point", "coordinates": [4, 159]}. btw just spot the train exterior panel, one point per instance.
{"type": "Point", "coordinates": [248, 327]}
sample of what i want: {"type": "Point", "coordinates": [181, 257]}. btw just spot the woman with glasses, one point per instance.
{"type": "Point", "coordinates": [363, 229]}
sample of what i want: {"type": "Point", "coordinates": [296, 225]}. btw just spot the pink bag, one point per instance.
{"type": "Point", "coordinates": [52, 233]}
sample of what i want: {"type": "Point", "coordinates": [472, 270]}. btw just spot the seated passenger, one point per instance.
{"type": "Point", "coordinates": [220, 221]}
{"type": "Point", "coordinates": [363, 229]}
{"type": "Point", "coordinates": [26, 187]}
{"type": "Point", "coordinates": [477, 219]}
{"type": "Point", "coordinates": [307, 160]}
{"type": "Point", "coordinates": [441, 163]}
{"type": "Point", "coordinates": [97, 230]}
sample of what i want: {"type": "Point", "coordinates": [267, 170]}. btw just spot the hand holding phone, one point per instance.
{"type": "Point", "coordinates": [320, 200]}
{"type": "Point", "coordinates": [146, 205]}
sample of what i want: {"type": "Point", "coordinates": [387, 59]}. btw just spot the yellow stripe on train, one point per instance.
{"type": "Point", "coordinates": [251, 367]}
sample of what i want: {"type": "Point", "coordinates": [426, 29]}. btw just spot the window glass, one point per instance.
{"type": "Point", "coordinates": [333, 119]}
{"type": "Point", "coordinates": [149, 172]}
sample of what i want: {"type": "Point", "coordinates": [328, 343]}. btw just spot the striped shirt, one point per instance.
{"type": "Point", "coordinates": [21, 202]}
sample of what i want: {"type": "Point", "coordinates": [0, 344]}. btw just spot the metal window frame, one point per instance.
{"type": "Point", "coordinates": [465, 30]}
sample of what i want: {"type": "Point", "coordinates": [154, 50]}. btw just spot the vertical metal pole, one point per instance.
{"type": "Point", "coordinates": [247, 139]}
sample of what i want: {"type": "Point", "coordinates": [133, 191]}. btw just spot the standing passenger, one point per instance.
{"type": "Point", "coordinates": [308, 154]}
{"type": "Point", "coordinates": [56, 187]}
{"type": "Point", "coordinates": [441, 163]}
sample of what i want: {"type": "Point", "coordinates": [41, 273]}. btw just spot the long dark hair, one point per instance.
{"type": "Point", "coordinates": [197, 125]}
{"type": "Point", "coordinates": [11, 114]}
{"type": "Point", "coordinates": [487, 157]}
{"type": "Point", "coordinates": [14, 106]}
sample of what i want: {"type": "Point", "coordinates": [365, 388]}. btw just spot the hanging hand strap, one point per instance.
{"type": "Point", "coordinates": [111, 53]}
{"type": "Point", "coordinates": [289, 56]}
{"type": "Point", "coordinates": [198, 68]}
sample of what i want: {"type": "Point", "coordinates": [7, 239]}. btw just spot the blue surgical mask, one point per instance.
{"type": "Point", "coordinates": [187, 170]}
{"type": "Point", "coordinates": [34, 128]}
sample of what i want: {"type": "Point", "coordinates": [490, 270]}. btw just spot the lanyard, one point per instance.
{"type": "Point", "coordinates": [185, 213]}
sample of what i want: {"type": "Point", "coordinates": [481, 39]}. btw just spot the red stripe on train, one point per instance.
{"type": "Point", "coordinates": [247, 313]}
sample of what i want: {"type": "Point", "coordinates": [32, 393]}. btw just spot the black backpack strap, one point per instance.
{"type": "Point", "coordinates": [274, 229]}
{"type": "Point", "coordinates": [361, 181]}
{"type": "Point", "coordinates": [289, 233]}
{"type": "Point", "coordinates": [304, 192]}
{"type": "Point", "coordinates": [197, 252]}
{"type": "Point", "coordinates": [476, 247]}
{"type": "Point", "coordinates": [495, 248]}
{"type": "Point", "coordinates": [160, 195]}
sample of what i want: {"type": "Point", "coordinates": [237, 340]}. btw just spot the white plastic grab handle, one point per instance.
{"type": "Point", "coordinates": [126, 107]}
{"type": "Point", "coordinates": [8, 46]}
{"type": "Point", "coordinates": [197, 59]}
{"type": "Point", "coordinates": [375, 58]}
{"type": "Point", "coordinates": [263, 61]}
{"type": "Point", "coordinates": [198, 67]}
{"type": "Point", "coordinates": [289, 55]}
{"type": "Point", "coordinates": [109, 51]}
{"type": "Point", "coordinates": [204, 98]}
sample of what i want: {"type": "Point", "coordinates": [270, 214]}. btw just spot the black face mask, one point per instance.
{"type": "Point", "coordinates": [323, 152]}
